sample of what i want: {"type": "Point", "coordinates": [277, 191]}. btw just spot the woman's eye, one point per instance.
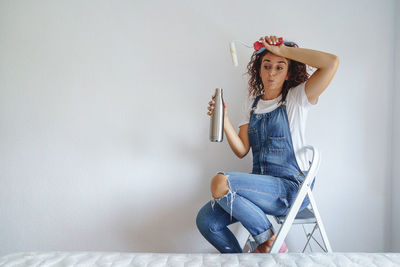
{"type": "Point", "coordinates": [268, 67]}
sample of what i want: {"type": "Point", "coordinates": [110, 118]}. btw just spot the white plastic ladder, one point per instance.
{"type": "Point", "coordinates": [309, 215]}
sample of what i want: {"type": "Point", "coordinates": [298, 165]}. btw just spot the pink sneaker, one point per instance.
{"type": "Point", "coordinates": [283, 249]}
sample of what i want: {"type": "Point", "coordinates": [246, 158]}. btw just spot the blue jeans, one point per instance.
{"type": "Point", "coordinates": [250, 198]}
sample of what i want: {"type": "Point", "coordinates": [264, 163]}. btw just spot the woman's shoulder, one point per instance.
{"type": "Point", "coordinates": [245, 109]}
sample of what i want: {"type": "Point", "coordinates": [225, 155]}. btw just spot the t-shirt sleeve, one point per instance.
{"type": "Point", "coordinates": [300, 97]}
{"type": "Point", "coordinates": [245, 112]}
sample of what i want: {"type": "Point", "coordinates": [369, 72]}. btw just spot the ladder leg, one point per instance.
{"type": "Point", "coordinates": [319, 221]}
{"type": "Point", "coordinates": [309, 238]}
{"type": "Point", "coordinates": [284, 230]}
{"type": "Point", "coordinates": [323, 248]}
{"type": "Point", "coordinates": [294, 209]}
{"type": "Point", "coordinates": [248, 246]}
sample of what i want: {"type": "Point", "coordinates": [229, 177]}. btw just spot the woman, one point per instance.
{"type": "Point", "coordinates": [273, 125]}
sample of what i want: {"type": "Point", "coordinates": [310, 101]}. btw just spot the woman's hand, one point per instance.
{"type": "Point", "coordinates": [211, 107]}
{"type": "Point", "coordinates": [271, 44]}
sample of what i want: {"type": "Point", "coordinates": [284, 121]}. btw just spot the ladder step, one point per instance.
{"type": "Point", "coordinates": [306, 216]}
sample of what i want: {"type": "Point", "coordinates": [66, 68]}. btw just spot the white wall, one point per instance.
{"type": "Point", "coordinates": [395, 197]}
{"type": "Point", "coordinates": [104, 128]}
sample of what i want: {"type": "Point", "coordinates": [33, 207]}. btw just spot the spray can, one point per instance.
{"type": "Point", "coordinates": [217, 118]}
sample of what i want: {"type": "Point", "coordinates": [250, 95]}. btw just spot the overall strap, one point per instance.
{"type": "Point", "coordinates": [253, 108]}
{"type": "Point", "coordinates": [283, 103]}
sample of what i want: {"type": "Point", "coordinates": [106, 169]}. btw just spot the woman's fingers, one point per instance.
{"type": "Point", "coordinates": [211, 106]}
{"type": "Point", "coordinates": [274, 39]}
{"type": "Point", "coordinates": [264, 39]}
{"type": "Point", "coordinates": [271, 40]}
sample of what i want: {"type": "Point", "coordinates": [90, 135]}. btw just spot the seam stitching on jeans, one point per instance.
{"type": "Point", "coordinates": [267, 193]}
{"type": "Point", "coordinates": [262, 215]}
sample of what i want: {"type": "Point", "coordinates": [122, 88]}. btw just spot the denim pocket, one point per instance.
{"type": "Point", "coordinates": [253, 137]}
{"type": "Point", "coordinates": [276, 144]}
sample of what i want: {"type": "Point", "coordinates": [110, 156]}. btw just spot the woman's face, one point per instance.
{"type": "Point", "coordinates": [274, 72]}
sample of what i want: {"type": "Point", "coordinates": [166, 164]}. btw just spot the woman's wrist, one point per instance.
{"type": "Point", "coordinates": [226, 121]}
{"type": "Point", "coordinates": [283, 51]}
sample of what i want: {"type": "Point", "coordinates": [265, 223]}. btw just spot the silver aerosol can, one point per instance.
{"type": "Point", "coordinates": [217, 118]}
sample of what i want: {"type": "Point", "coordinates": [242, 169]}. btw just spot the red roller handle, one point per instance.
{"type": "Point", "coordinates": [257, 45]}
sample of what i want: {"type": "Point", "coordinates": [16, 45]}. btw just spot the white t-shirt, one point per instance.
{"type": "Point", "coordinates": [297, 106]}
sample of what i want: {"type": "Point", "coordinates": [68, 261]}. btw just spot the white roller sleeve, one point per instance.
{"type": "Point", "coordinates": [234, 55]}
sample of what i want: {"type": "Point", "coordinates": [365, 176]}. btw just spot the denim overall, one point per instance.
{"type": "Point", "coordinates": [270, 189]}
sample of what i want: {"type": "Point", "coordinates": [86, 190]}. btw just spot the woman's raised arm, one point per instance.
{"type": "Point", "coordinates": [325, 63]}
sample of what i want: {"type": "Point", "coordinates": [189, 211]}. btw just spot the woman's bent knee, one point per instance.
{"type": "Point", "coordinates": [203, 219]}
{"type": "Point", "coordinates": [219, 186]}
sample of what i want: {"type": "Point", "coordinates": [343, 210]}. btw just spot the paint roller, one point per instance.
{"type": "Point", "coordinates": [233, 51]}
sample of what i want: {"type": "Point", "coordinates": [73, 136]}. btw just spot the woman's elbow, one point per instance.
{"type": "Point", "coordinates": [331, 62]}
{"type": "Point", "coordinates": [334, 62]}
{"type": "Point", "coordinates": [242, 155]}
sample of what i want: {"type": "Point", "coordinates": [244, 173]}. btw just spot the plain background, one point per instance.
{"type": "Point", "coordinates": [104, 133]}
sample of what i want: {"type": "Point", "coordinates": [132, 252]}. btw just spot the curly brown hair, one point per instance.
{"type": "Point", "coordinates": [297, 74]}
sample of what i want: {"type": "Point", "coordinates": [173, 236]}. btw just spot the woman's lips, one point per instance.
{"type": "Point", "coordinates": [270, 81]}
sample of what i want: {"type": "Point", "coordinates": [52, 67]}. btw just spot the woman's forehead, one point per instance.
{"type": "Point", "coordinates": [272, 58]}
